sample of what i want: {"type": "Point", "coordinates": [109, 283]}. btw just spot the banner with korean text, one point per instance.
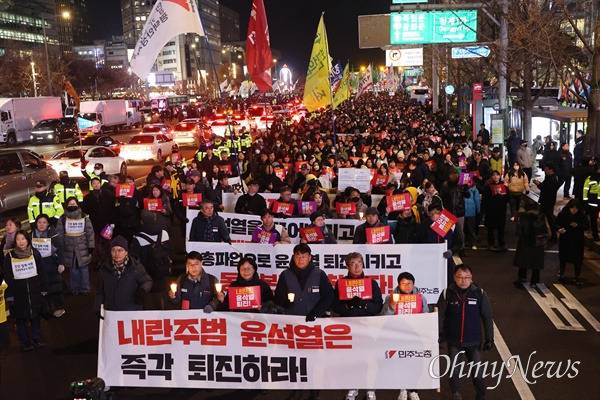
{"type": "Point", "coordinates": [241, 226]}
{"type": "Point", "coordinates": [190, 349]}
{"type": "Point", "coordinates": [383, 262]}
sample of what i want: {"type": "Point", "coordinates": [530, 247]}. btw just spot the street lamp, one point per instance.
{"type": "Point", "coordinates": [66, 14]}
{"type": "Point", "coordinates": [363, 68]}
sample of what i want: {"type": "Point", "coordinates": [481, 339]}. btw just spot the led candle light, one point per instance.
{"type": "Point", "coordinates": [173, 287]}
{"type": "Point", "coordinates": [218, 287]}
{"type": "Point", "coordinates": [396, 297]}
{"type": "Point", "coordinates": [291, 297]}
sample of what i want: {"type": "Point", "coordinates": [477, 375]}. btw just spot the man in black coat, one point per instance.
{"type": "Point", "coordinates": [209, 227]}
{"type": "Point", "coordinates": [548, 189]}
{"type": "Point", "coordinates": [565, 168]}
{"type": "Point", "coordinates": [463, 308]}
{"type": "Point", "coordinates": [121, 280]}
{"type": "Point", "coordinates": [251, 203]}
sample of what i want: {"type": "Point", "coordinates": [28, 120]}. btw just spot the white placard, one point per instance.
{"type": "Point", "coordinates": [23, 268]}
{"type": "Point", "coordinates": [359, 178]}
{"type": "Point", "coordinates": [43, 245]}
{"type": "Point", "coordinates": [74, 227]}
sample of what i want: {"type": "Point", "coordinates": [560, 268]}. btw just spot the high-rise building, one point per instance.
{"type": "Point", "coordinates": [25, 26]}
{"type": "Point", "coordinates": [230, 25]}
{"type": "Point", "coordinates": [73, 22]}
{"type": "Point", "coordinates": [186, 55]}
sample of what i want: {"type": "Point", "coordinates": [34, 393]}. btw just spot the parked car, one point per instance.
{"type": "Point", "coordinates": [104, 140]}
{"type": "Point", "coordinates": [19, 170]}
{"type": "Point", "coordinates": [54, 130]}
{"type": "Point", "coordinates": [148, 146]}
{"type": "Point", "coordinates": [69, 160]}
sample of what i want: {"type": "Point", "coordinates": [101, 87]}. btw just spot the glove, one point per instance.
{"type": "Point", "coordinates": [208, 309]}
{"type": "Point", "coordinates": [488, 345]}
{"type": "Point", "coordinates": [311, 316]}
{"type": "Point", "coordinates": [447, 254]}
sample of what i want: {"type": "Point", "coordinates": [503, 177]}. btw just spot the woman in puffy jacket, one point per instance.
{"type": "Point", "coordinates": [518, 184]}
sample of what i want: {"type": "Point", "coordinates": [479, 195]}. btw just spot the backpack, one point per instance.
{"type": "Point", "coordinates": [155, 257]}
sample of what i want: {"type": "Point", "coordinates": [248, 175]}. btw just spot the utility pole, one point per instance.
{"type": "Point", "coordinates": [502, 56]}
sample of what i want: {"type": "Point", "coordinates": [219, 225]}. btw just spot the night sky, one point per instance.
{"type": "Point", "coordinates": [292, 26]}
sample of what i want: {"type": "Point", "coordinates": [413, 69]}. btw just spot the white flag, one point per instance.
{"type": "Point", "coordinates": [168, 19]}
{"type": "Point", "coordinates": [366, 82]}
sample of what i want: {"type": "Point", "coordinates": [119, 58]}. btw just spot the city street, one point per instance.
{"type": "Point", "coordinates": [522, 329]}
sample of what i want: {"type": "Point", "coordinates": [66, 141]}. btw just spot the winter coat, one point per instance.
{"type": "Point", "coordinates": [453, 196]}
{"type": "Point", "coordinates": [211, 229]}
{"type": "Point", "coordinates": [128, 213]}
{"type": "Point", "coordinates": [533, 232]}
{"type": "Point", "coordinates": [27, 293]}
{"type": "Point", "coordinates": [250, 204]}
{"type": "Point", "coordinates": [571, 243]}
{"type": "Point", "coordinates": [548, 189]}
{"type": "Point", "coordinates": [496, 165]}
{"type": "Point", "coordinates": [196, 293]}
{"type": "Point", "coordinates": [473, 203]}
{"type": "Point", "coordinates": [266, 294]}
{"type": "Point", "coordinates": [494, 207]}
{"type": "Point", "coordinates": [50, 264]}
{"type": "Point", "coordinates": [100, 206]}
{"type": "Point", "coordinates": [360, 233]}
{"type": "Point", "coordinates": [516, 184]}
{"type": "Point", "coordinates": [462, 313]}
{"type": "Point", "coordinates": [407, 230]}
{"type": "Point", "coordinates": [358, 307]}
{"type": "Point", "coordinates": [388, 310]}
{"type": "Point", "coordinates": [578, 152]}
{"type": "Point", "coordinates": [122, 293]}
{"type": "Point", "coordinates": [525, 157]}
{"type": "Point", "coordinates": [566, 164]}
{"type": "Point", "coordinates": [76, 247]}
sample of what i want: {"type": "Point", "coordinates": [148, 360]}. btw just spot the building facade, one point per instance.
{"type": "Point", "coordinates": [230, 25]}
{"type": "Point", "coordinates": [73, 23]}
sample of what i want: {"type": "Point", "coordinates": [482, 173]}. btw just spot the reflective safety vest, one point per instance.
{"type": "Point", "coordinates": [246, 141]}
{"type": "Point", "coordinates": [200, 155]}
{"type": "Point", "coordinates": [591, 191]}
{"type": "Point", "coordinates": [64, 193]}
{"type": "Point", "coordinates": [35, 207]}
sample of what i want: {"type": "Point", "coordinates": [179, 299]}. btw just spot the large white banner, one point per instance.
{"type": "Point", "coordinates": [230, 199]}
{"type": "Point", "coordinates": [190, 349]}
{"type": "Point", "coordinates": [383, 261]}
{"type": "Point", "coordinates": [241, 226]}
{"type": "Point", "coordinates": [168, 19]}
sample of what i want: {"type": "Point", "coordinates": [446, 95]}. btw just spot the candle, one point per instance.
{"type": "Point", "coordinates": [396, 297]}
{"type": "Point", "coordinates": [204, 174]}
{"type": "Point", "coordinates": [218, 287]}
{"type": "Point", "coordinates": [291, 297]}
{"type": "Point", "coordinates": [173, 287]}
{"type": "Point", "coordinates": [361, 214]}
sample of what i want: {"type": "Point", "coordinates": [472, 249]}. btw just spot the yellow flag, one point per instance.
{"type": "Point", "coordinates": [317, 90]}
{"type": "Point", "coordinates": [343, 91]}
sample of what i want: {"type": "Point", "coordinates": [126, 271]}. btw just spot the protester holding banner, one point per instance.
{"type": "Point", "coordinates": [463, 308]}
{"type": "Point", "coordinates": [209, 227]}
{"type": "Point", "coordinates": [284, 206]}
{"type": "Point", "coordinates": [122, 280]}
{"type": "Point", "coordinates": [373, 231]}
{"type": "Point", "coordinates": [303, 289]}
{"type": "Point", "coordinates": [317, 232]}
{"type": "Point", "coordinates": [269, 233]}
{"type": "Point", "coordinates": [76, 231]}
{"type": "Point", "coordinates": [356, 295]}
{"type": "Point", "coordinates": [99, 205]}
{"type": "Point", "coordinates": [223, 186]}
{"type": "Point", "coordinates": [158, 204]}
{"type": "Point", "coordinates": [453, 195]}
{"type": "Point", "coordinates": [26, 287]}
{"type": "Point", "coordinates": [495, 199]}
{"type": "Point", "coordinates": [248, 293]}
{"type": "Point", "coordinates": [47, 242]}
{"type": "Point", "coordinates": [127, 207]}
{"type": "Point", "coordinates": [251, 202]}
{"type": "Point", "coordinates": [196, 289]}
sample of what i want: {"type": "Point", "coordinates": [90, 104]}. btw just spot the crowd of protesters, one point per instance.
{"type": "Point", "coordinates": [124, 232]}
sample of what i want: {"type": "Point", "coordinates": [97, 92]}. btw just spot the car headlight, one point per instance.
{"type": "Point", "coordinates": [50, 136]}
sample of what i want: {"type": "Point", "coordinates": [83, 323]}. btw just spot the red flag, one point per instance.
{"type": "Point", "coordinates": [258, 47]}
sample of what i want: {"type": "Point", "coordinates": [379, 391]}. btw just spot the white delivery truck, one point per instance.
{"type": "Point", "coordinates": [109, 114]}
{"type": "Point", "coordinates": [18, 116]}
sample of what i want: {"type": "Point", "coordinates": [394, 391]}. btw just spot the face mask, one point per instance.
{"type": "Point", "coordinates": [72, 208]}
{"type": "Point", "coordinates": [97, 171]}
{"type": "Point", "coordinates": [257, 151]}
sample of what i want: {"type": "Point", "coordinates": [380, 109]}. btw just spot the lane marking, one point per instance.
{"type": "Point", "coordinates": [548, 303]}
{"type": "Point", "coordinates": [522, 387]}
{"type": "Point", "coordinates": [572, 303]}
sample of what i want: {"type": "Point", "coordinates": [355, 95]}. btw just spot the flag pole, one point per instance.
{"type": "Point", "coordinates": [330, 92]}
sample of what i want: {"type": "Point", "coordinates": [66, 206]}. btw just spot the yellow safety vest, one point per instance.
{"type": "Point", "coordinates": [35, 207]}
{"type": "Point", "coordinates": [65, 193]}
{"type": "Point", "coordinates": [3, 313]}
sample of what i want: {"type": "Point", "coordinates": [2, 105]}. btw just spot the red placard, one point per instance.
{"type": "Point", "coordinates": [312, 234]}
{"type": "Point", "coordinates": [475, 174]}
{"type": "Point", "coordinates": [280, 173]}
{"type": "Point", "coordinates": [192, 199]}
{"type": "Point", "coordinates": [283, 208]}
{"type": "Point", "coordinates": [354, 160]}
{"type": "Point", "coordinates": [380, 180]}
{"type": "Point", "coordinates": [444, 223]}
{"type": "Point", "coordinates": [125, 190]}
{"type": "Point", "coordinates": [307, 207]}
{"type": "Point", "coordinates": [430, 164]}
{"type": "Point", "coordinates": [166, 184]}
{"type": "Point", "coordinates": [398, 202]}
{"type": "Point", "coordinates": [345, 209]}
{"type": "Point", "coordinates": [409, 304]}
{"type": "Point", "coordinates": [298, 165]}
{"type": "Point", "coordinates": [226, 168]}
{"type": "Point", "coordinates": [328, 170]}
{"type": "Point", "coordinates": [153, 205]}
{"type": "Point", "coordinates": [244, 298]}
{"type": "Point", "coordinates": [465, 179]}
{"type": "Point", "coordinates": [287, 167]}
{"type": "Point", "coordinates": [378, 234]}
{"type": "Point", "coordinates": [349, 288]}
{"type": "Point", "coordinates": [499, 189]}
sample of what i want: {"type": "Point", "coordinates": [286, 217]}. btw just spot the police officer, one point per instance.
{"type": "Point", "coordinates": [303, 288]}
{"type": "Point", "coordinates": [43, 201]}
{"type": "Point", "coordinates": [97, 173]}
{"type": "Point", "coordinates": [66, 187]}
{"type": "Point", "coordinates": [591, 192]}
{"type": "Point", "coordinates": [463, 307]}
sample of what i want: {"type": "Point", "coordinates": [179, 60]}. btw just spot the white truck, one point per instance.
{"type": "Point", "coordinates": [18, 116]}
{"type": "Point", "coordinates": [110, 114]}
